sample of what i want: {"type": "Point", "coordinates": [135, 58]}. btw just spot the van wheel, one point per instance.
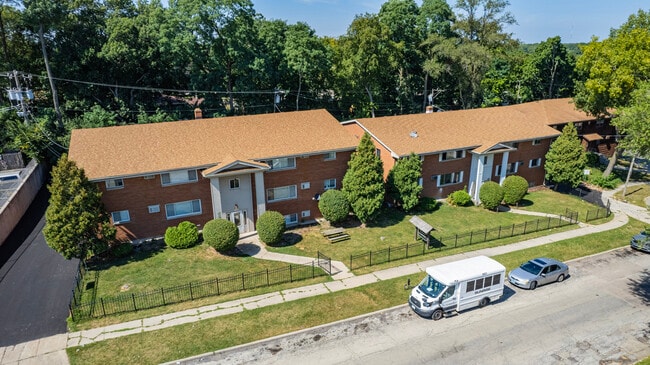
{"type": "Point", "coordinates": [533, 285]}
{"type": "Point", "coordinates": [560, 278]}
{"type": "Point", "coordinates": [485, 301]}
{"type": "Point", "coordinates": [437, 314]}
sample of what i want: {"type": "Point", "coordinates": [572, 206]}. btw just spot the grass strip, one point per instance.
{"type": "Point", "coordinates": [223, 332]}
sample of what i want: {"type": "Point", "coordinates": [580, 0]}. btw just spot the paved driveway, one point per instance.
{"type": "Point", "coordinates": [35, 281]}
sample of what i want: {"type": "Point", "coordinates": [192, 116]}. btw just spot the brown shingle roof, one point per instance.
{"type": "Point", "coordinates": [150, 148]}
{"type": "Point", "coordinates": [474, 128]}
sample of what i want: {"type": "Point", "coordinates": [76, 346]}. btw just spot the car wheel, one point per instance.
{"type": "Point", "coordinates": [560, 278]}
{"type": "Point", "coordinates": [533, 285]}
{"type": "Point", "coordinates": [437, 314]}
{"type": "Point", "coordinates": [485, 301]}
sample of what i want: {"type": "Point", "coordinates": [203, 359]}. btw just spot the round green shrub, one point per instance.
{"type": "Point", "coordinates": [515, 188]}
{"type": "Point", "coordinates": [183, 236]}
{"type": "Point", "coordinates": [334, 206]}
{"type": "Point", "coordinates": [270, 227]}
{"type": "Point", "coordinates": [427, 205]}
{"type": "Point", "coordinates": [221, 234]}
{"type": "Point", "coordinates": [491, 195]}
{"type": "Point", "coordinates": [459, 198]}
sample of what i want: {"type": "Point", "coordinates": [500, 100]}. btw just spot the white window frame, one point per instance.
{"type": "Point", "coordinates": [178, 177]}
{"type": "Point", "coordinates": [114, 184]}
{"type": "Point", "coordinates": [192, 203]}
{"type": "Point", "coordinates": [154, 208]}
{"type": "Point", "coordinates": [329, 156]}
{"type": "Point", "coordinates": [538, 163]}
{"type": "Point", "coordinates": [123, 216]}
{"type": "Point", "coordinates": [329, 184]}
{"type": "Point", "coordinates": [457, 178]}
{"type": "Point", "coordinates": [284, 163]}
{"type": "Point", "coordinates": [305, 213]}
{"type": "Point", "coordinates": [537, 142]}
{"type": "Point", "coordinates": [291, 219]}
{"type": "Point", "coordinates": [451, 155]}
{"type": "Point", "coordinates": [305, 185]}
{"type": "Point", "coordinates": [233, 183]}
{"type": "Point", "coordinates": [292, 193]}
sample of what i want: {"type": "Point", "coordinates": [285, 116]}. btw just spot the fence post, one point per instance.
{"type": "Point", "coordinates": [407, 250]}
{"type": "Point", "coordinates": [512, 233]}
{"type": "Point", "coordinates": [388, 253]}
{"type": "Point", "coordinates": [537, 225]}
{"type": "Point", "coordinates": [71, 312]}
{"type": "Point", "coordinates": [485, 236]}
{"type": "Point", "coordinates": [101, 300]}
{"type": "Point", "coordinates": [548, 224]}
{"type": "Point", "coordinates": [267, 277]}
{"type": "Point", "coordinates": [290, 274]}
{"type": "Point", "coordinates": [499, 233]}
{"type": "Point", "coordinates": [191, 293]}
{"type": "Point", "coordinates": [243, 282]}
{"type": "Point", "coordinates": [471, 235]}
{"type": "Point", "coordinates": [135, 307]}
{"type": "Point", "coordinates": [525, 226]}
{"type": "Point", "coordinates": [351, 263]}
{"type": "Point", "coordinates": [218, 292]}
{"type": "Point", "coordinates": [162, 291]}
{"type": "Point", "coordinates": [456, 240]}
{"type": "Point", "coordinates": [313, 272]}
{"type": "Point", "coordinates": [424, 246]}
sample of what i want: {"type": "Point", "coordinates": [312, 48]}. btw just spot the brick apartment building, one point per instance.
{"type": "Point", "coordinates": [153, 176]}
{"type": "Point", "coordinates": [465, 148]}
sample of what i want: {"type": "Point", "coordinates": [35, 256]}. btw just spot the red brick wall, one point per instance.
{"type": "Point", "coordinates": [526, 151]}
{"type": "Point", "coordinates": [138, 193]}
{"type": "Point", "coordinates": [312, 169]}
{"type": "Point", "coordinates": [432, 166]}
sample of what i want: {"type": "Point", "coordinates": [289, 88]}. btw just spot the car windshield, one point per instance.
{"type": "Point", "coordinates": [431, 287]}
{"type": "Point", "coordinates": [531, 267]}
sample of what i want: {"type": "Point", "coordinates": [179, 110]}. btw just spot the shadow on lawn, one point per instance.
{"type": "Point", "coordinates": [140, 252]}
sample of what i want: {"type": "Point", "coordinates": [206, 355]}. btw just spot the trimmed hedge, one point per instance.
{"type": "Point", "coordinates": [334, 206]}
{"type": "Point", "coordinates": [459, 198]}
{"type": "Point", "coordinates": [183, 236]}
{"type": "Point", "coordinates": [221, 234]}
{"type": "Point", "coordinates": [271, 227]}
{"type": "Point", "coordinates": [491, 195]}
{"type": "Point", "coordinates": [515, 188]}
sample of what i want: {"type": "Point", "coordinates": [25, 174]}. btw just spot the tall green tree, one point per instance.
{"type": "Point", "coordinates": [566, 159]}
{"type": "Point", "coordinates": [549, 70]}
{"type": "Point", "coordinates": [306, 55]}
{"type": "Point", "coordinates": [363, 183]}
{"type": "Point", "coordinates": [483, 22]}
{"type": "Point", "coordinates": [75, 221]}
{"type": "Point", "coordinates": [633, 121]}
{"type": "Point", "coordinates": [403, 182]}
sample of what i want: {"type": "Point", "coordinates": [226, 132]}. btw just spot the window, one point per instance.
{"type": "Point", "coordinates": [536, 162]}
{"type": "Point", "coordinates": [537, 142]}
{"type": "Point", "coordinates": [578, 126]}
{"type": "Point", "coordinates": [496, 279]}
{"type": "Point", "coordinates": [450, 178]}
{"type": "Point", "coordinates": [178, 177]}
{"type": "Point", "coordinates": [378, 152]}
{"type": "Point", "coordinates": [234, 183]}
{"type": "Point", "coordinates": [281, 193]}
{"type": "Point", "coordinates": [329, 184]}
{"type": "Point", "coordinates": [483, 283]}
{"type": "Point", "coordinates": [120, 217]}
{"type": "Point", "coordinates": [282, 163]}
{"type": "Point", "coordinates": [452, 155]}
{"type": "Point", "coordinates": [291, 219]}
{"type": "Point", "coordinates": [305, 185]}
{"type": "Point", "coordinates": [600, 123]}
{"type": "Point", "coordinates": [154, 208]}
{"type": "Point", "coordinates": [305, 213]}
{"type": "Point", "coordinates": [420, 181]}
{"type": "Point", "coordinates": [114, 184]}
{"type": "Point", "coordinates": [470, 286]}
{"type": "Point", "coordinates": [513, 144]}
{"type": "Point", "coordinates": [513, 167]}
{"type": "Point", "coordinates": [148, 177]}
{"type": "Point", "coordinates": [329, 156]}
{"type": "Point", "coordinates": [182, 209]}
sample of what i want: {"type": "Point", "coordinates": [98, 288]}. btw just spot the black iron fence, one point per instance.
{"type": "Point", "coordinates": [593, 214]}
{"type": "Point", "coordinates": [194, 290]}
{"type": "Point", "coordinates": [78, 289]}
{"type": "Point", "coordinates": [325, 262]}
{"type": "Point", "coordinates": [463, 239]}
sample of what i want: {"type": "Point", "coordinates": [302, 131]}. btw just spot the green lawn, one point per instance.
{"type": "Point", "coordinates": [635, 194]}
{"type": "Point", "coordinates": [551, 202]}
{"type": "Point", "coordinates": [222, 332]}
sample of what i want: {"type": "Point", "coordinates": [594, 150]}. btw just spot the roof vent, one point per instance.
{"type": "Point", "coordinates": [429, 109]}
{"type": "Point", "coordinates": [413, 134]}
{"type": "Point", "coordinates": [198, 114]}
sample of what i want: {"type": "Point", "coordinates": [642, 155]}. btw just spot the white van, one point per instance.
{"type": "Point", "coordinates": [458, 285]}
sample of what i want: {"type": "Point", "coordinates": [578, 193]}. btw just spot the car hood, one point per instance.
{"type": "Point", "coordinates": [639, 237]}
{"type": "Point", "coordinates": [520, 274]}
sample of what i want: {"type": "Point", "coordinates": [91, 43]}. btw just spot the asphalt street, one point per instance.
{"type": "Point", "coordinates": [35, 281]}
{"type": "Point", "coordinates": [599, 315]}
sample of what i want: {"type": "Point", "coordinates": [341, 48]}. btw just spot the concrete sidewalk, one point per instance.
{"type": "Point", "coordinates": [52, 350]}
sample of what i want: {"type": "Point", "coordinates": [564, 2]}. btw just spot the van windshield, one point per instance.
{"type": "Point", "coordinates": [431, 287]}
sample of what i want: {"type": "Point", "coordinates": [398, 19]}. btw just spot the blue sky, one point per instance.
{"type": "Point", "coordinates": [573, 20]}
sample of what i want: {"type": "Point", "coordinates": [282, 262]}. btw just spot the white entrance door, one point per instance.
{"type": "Point", "coordinates": [239, 218]}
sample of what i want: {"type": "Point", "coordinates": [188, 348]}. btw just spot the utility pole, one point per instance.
{"type": "Point", "coordinates": [55, 97]}
{"type": "Point", "coordinates": [19, 95]}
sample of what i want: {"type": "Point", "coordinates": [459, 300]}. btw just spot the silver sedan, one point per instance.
{"type": "Point", "coordinates": [537, 272]}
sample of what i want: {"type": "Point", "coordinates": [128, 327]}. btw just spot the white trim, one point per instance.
{"type": "Point", "coordinates": [288, 219]}
{"type": "Point", "coordinates": [305, 185]}
{"type": "Point", "coordinates": [327, 186]}
{"type": "Point", "coordinates": [154, 208]}
{"type": "Point", "coordinates": [539, 163]}
{"type": "Point", "coordinates": [193, 212]}
{"type": "Point", "coordinates": [293, 193]}
{"type": "Point", "coordinates": [123, 217]}
{"type": "Point", "coordinates": [175, 177]}
{"type": "Point", "coordinates": [114, 184]}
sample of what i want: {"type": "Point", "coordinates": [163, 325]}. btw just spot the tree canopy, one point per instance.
{"type": "Point", "coordinates": [363, 183]}
{"type": "Point", "coordinates": [566, 159]}
{"type": "Point", "coordinates": [403, 182]}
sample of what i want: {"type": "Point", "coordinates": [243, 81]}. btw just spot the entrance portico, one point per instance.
{"type": "Point", "coordinates": [483, 161]}
{"type": "Point", "coordinates": [237, 190]}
